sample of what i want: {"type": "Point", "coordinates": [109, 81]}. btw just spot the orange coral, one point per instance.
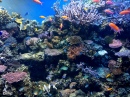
{"type": "Point", "coordinates": [74, 51]}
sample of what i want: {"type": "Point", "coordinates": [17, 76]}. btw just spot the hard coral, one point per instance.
{"type": "Point", "coordinates": [74, 51]}
{"type": "Point", "coordinates": [14, 77]}
{"type": "Point", "coordinates": [74, 40]}
{"type": "Point", "coordinates": [4, 17]}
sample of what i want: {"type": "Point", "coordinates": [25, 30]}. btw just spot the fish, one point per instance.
{"type": "Point", "coordinates": [115, 28]}
{"type": "Point", "coordinates": [108, 11]}
{"type": "Point", "coordinates": [64, 17]}
{"type": "Point", "coordinates": [19, 20]}
{"type": "Point", "coordinates": [61, 26]}
{"type": "Point", "coordinates": [108, 75]}
{"type": "Point", "coordinates": [50, 19]}
{"type": "Point", "coordinates": [96, 1]}
{"type": "Point", "coordinates": [42, 16]}
{"type": "Point", "coordinates": [109, 2]}
{"type": "Point", "coordinates": [26, 14]}
{"type": "Point", "coordinates": [38, 1]}
{"type": "Point", "coordinates": [109, 89]}
{"type": "Point", "coordinates": [0, 0]}
{"type": "Point", "coordinates": [124, 12]}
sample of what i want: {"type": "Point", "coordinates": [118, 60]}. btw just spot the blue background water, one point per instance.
{"type": "Point", "coordinates": [35, 10]}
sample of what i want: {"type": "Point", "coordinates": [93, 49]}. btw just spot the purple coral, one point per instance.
{"type": "Point", "coordinates": [4, 34]}
{"type": "Point", "coordinates": [46, 34]}
{"type": "Point", "coordinates": [87, 69]}
{"type": "Point", "coordinates": [2, 68]}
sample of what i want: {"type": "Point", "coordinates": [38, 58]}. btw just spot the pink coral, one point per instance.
{"type": "Point", "coordinates": [14, 77]}
{"type": "Point", "coordinates": [32, 41]}
{"type": "Point", "coordinates": [2, 68]}
{"type": "Point", "coordinates": [115, 43]}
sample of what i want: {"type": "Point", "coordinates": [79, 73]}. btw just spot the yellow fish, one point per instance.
{"type": "Point", "coordinates": [42, 16]}
{"type": "Point", "coordinates": [18, 20]}
{"type": "Point", "coordinates": [85, 9]}
{"type": "Point", "coordinates": [109, 89]}
{"type": "Point", "coordinates": [108, 75]}
{"type": "Point", "coordinates": [64, 17]}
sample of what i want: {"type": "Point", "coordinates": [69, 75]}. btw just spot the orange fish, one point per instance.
{"type": "Point", "coordinates": [124, 12]}
{"type": "Point", "coordinates": [64, 17]}
{"type": "Point", "coordinates": [108, 11]}
{"type": "Point", "coordinates": [96, 1]}
{"type": "Point", "coordinates": [38, 1]}
{"type": "Point", "coordinates": [61, 26]}
{"type": "Point", "coordinates": [115, 27]}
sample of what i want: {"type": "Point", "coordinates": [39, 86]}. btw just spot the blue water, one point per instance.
{"type": "Point", "coordinates": [35, 10]}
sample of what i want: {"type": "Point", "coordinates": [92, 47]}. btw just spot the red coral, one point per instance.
{"type": "Point", "coordinates": [14, 77]}
{"type": "Point", "coordinates": [74, 51]}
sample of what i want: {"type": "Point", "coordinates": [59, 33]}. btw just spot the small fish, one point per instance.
{"type": "Point", "coordinates": [108, 75]}
{"type": "Point", "coordinates": [108, 2]}
{"type": "Point", "coordinates": [85, 9]}
{"type": "Point", "coordinates": [26, 14]}
{"type": "Point", "coordinates": [2, 8]}
{"type": "Point", "coordinates": [64, 17]}
{"type": "Point", "coordinates": [96, 1]}
{"type": "Point", "coordinates": [108, 11]}
{"type": "Point", "coordinates": [42, 16]}
{"type": "Point", "coordinates": [124, 12]}
{"type": "Point", "coordinates": [115, 28]}
{"type": "Point", "coordinates": [64, 76]}
{"type": "Point", "coordinates": [38, 1]}
{"type": "Point", "coordinates": [109, 89]}
{"type": "Point", "coordinates": [50, 19]}
{"type": "Point", "coordinates": [61, 26]}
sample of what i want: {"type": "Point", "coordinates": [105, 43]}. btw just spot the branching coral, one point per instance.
{"type": "Point", "coordinates": [4, 17]}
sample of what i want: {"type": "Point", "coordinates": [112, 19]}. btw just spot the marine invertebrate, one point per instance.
{"type": "Point", "coordinates": [14, 77]}
{"type": "Point", "coordinates": [4, 18]}
{"type": "Point", "coordinates": [2, 68]}
{"type": "Point", "coordinates": [115, 67]}
{"type": "Point", "coordinates": [4, 35]}
{"type": "Point", "coordinates": [11, 25]}
{"type": "Point", "coordinates": [56, 39]}
{"type": "Point", "coordinates": [123, 53]}
{"type": "Point", "coordinates": [32, 41]}
{"type": "Point", "coordinates": [75, 12]}
{"type": "Point", "coordinates": [115, 44]}
{"type": "Point", "coordinates": [53, 52]}
{"type": "Point", "coordinates": [74, 51]}
{"type": "Point", "coordinates": [46, 34]}
{"type": "Point", "coordinates": [74, 40]}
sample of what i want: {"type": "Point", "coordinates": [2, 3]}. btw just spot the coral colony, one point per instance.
{"type": "Point", "coordinates": [83, 50]}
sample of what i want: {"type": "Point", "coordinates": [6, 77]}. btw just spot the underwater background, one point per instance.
{"type": "Point", "coordinates": [65, 48]}
{"type": "Point", "coordinates": [34, 10]}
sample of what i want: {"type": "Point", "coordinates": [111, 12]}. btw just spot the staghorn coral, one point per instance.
{"type": "Point", "coordinates": [74, 40]}
{"type": "Point", "coordinates": [4, 18]}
